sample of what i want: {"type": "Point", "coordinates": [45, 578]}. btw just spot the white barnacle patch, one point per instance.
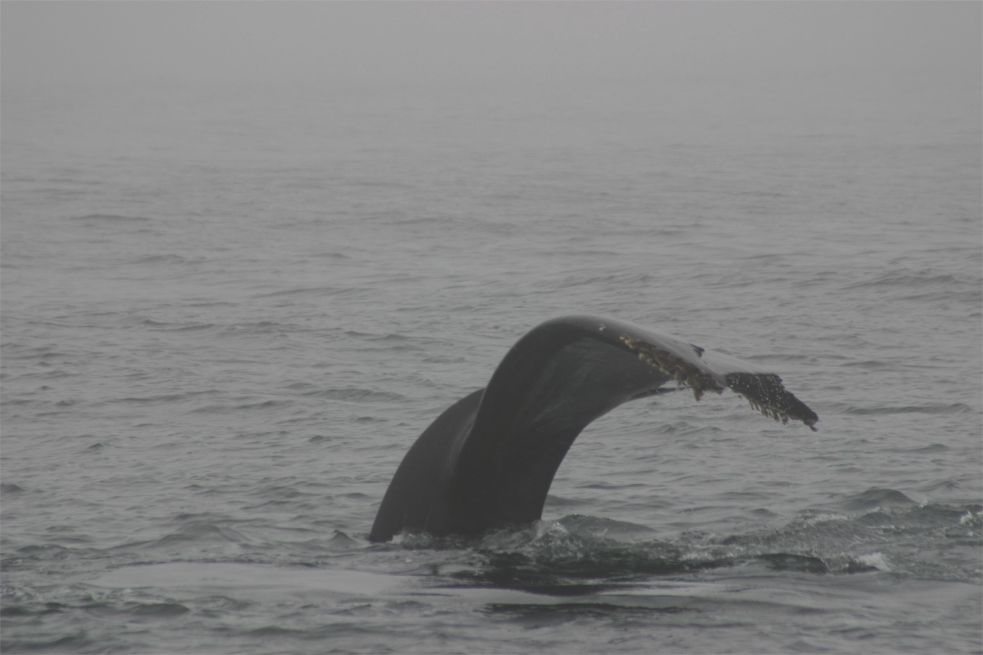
{"type": "Point", "coordinates": [766, 394]}
{"type": "Point", "coordinates": [684, 373]}
{"type": "Point", "coordinates": [764, 391]}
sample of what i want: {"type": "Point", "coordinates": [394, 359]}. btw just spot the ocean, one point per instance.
{"type": "Point", "coordinates": [229, 310]}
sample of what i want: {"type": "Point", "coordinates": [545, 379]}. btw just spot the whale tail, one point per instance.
{"type": "Point", "coordinates": [489, 459]}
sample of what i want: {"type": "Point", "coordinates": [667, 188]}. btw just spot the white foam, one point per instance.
{"type": "Point", "coordinates": [876, 560]}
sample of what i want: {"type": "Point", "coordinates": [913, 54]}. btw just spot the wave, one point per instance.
{"type": "Point", "coordinates": [166, 326]}
{"type": "Point", "coordinates": [932, 408]}
{"type": "Point", "coordinates": [166, 258]}
{"type": "Point", "coordinates": [113, 219]}
{"type": "Point", "coordinates": [77, 642]}
{"type": "Point", "coordinates": [166, 397]}
{"type": "Point", "coordinates": [305, 291]}
{"type": "Point", "coordinates": [199, 532]}
{"type": "Point", "coordinates": [43, 353]}
{"type": "Point", "coordinates": [195, 540]}
{"type": "Point", "coordinates": [874, 499]}
{"type": "Point", "coordinates": [355, 395]}
{"type": "Point", "coordinates": [9, 488]}
{"type": "Point", "coordinates": [243, 404]}
{"type": "Point", "coordinates": [262, 328]}
{"type": "Point", "coordinates": [910, 279]}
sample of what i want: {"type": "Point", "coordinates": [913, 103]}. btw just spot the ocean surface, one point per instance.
{"type": "Point", "coordinates": [227, 313]}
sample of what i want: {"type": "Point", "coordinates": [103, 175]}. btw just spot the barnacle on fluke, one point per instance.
{"type": "Point", "coordinates": [764, 391]}
{"type": "Point", "coordinates": [489, 459]}
{"type": "Point", "coordinates": [766, 394]}
{"type": "Point", "coordinates": [679, 370]}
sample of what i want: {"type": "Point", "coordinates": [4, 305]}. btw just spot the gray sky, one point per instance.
{"type": "Point", "coordinates": [64, 44]}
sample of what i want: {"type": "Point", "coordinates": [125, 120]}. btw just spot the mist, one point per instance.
{"type": "Point", "coordinates": [81, 43]}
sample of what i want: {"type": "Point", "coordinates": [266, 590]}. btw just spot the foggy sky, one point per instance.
{"type": "Point", "coordinates": [86, 43]}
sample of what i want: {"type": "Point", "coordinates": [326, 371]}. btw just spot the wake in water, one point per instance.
{"type": "Point", "coordinates": [878, 530]}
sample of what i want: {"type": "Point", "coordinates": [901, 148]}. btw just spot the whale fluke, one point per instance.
{"type": "Point", "coordinates": [488, 460]}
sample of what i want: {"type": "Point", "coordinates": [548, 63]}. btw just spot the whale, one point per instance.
{"type": "Point", "coordinates": [488, 460]}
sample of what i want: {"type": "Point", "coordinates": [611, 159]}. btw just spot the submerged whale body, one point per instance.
{"type": "Point", "coordinates": [488, 460]}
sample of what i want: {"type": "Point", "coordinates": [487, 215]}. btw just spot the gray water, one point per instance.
{"type": "Point", "coordinates": [229, 309]}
